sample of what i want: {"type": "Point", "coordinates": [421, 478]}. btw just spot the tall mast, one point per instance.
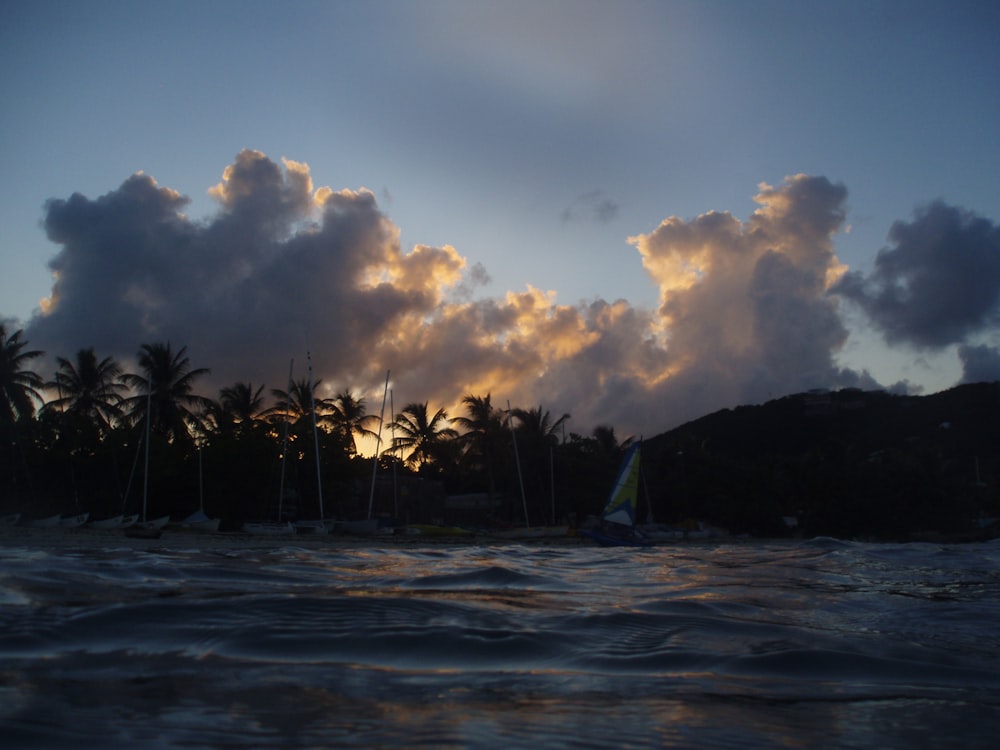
{"type": "Point", "coordinates": [284, 439]}
{"type": "Point", "coordinates": [395, 488]}
{"type": "Point", "coordinates": [149, 410]}
{"type": "Point", "coordinates": [381, 417]}
{"type": "Point", "coordinates": [517, 460]}
{"type": "Point", "coordinates": [312, 403]}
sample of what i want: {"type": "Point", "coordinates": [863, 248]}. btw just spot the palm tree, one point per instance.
{"type": "Point", "coordinates": [482, 428]}
{"type": "Point", "coordinates": [351, 420]}
{"type": "Point", "coordinates": [537, 434]}
{"type": "Point", "coordinates": [167, 389]}
{"type": "Point", "coordinates": [607, 442]}
{"type": "Point", "coordinates": [537, 426]}
{"type": "Point", "coordinates": [239, 407]}
{"type": "Point", "coordinates": [296, 405]}
{"type": "Point", "coordinates": [89, 392]}
{"type": "Point", "coordinates": [421, 434]}
{"type": "Point", "coordinates": [18, 385]}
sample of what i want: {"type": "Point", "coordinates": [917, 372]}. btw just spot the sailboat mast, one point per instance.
{"type": "Point", "coordinates": [517, 460]}
{"type": "Point", "coordinates": [149, 413]}
{"type": "Point", "coordinates": [201, 484]}
{"type": "Point", "coordinates": [284, 440]}
{"type": "Point", "coordinates": [381, 417]}
{"type": "Point", "coordinates": [312, 404]}
{"type": "Point", "coordinates": [392, 434]}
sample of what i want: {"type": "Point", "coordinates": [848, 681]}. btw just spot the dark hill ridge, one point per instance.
{"type": "Point", "coordinates": [848, 462]}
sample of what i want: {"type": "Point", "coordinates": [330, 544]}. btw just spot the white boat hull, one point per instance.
{"type": "Point", "coordinates": [72, 522]}
{"type": "Point", "coordinates": [115, 522]}
{"type": "Point", "coordinates": [198, 521]}
{"type": "Point", "coordinates": [208, 524]}
{"type": "Point", "coordinates": [156, 523]}
{"type": "Point", "coordinates": [47, 523]}
{"type": "Point", "coordinates": [268, 528]}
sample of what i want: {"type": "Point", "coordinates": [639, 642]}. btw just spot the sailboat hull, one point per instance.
{"type": "Point", "coordinates": [618, 518]}
{"type": "Point", "coordinates": [268, 528]}
{"type": "Point", "coordinates": [115, 522]}
{"type": "Point", "coordinates": [626, 537]}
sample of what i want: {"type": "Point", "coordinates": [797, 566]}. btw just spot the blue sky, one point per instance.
{"type": "Point", "coordinates": [526, 142]}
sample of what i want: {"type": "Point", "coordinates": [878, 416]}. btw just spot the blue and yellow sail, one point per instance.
{"type": "Point", "coordinates": [624, 499]}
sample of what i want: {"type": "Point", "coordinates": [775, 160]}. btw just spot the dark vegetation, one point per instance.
{"type": "Point", "coordinates": [846, 463]}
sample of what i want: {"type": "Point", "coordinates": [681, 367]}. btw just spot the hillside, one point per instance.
{"type": "Point", "coordinates": [844, 463]}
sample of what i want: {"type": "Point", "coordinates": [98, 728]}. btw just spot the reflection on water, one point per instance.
{"type": "Point", "coordinates": [806, 644]}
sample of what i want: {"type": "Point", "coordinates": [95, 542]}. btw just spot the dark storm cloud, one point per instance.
{"type": "Point", "coordinates": [979, 363]}
{"type": "Point", "coordinates": [937, 283]}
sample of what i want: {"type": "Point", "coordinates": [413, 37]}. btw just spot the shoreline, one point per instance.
{"type": "Point", "coordinates": [84, 537]}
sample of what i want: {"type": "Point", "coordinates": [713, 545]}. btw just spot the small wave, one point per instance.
{"type": "Point", "coordinates": [490, 577]}
{"type": "Point", "coordinates": [774, 643]}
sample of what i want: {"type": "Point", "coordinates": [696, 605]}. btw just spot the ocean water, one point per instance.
{"type": "Point", "coordinates": [183, 643]}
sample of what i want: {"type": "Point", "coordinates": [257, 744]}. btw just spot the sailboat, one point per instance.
{"type": "Point", "coordinates": [199, 521]}
{"type": "Point", "coordinates": [618, 517]}
{"type": "Point", "coordinates": [317, 525]}
{"type": "Point", "coordinates": [369, 525]}
{"type": "Point", "coordinates": [145, 529]}
{"type": "Point", "coordinates": [279, 526]}
{"type": "Point", "coordinates": [528, 531]}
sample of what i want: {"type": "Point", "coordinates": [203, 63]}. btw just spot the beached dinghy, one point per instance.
{"type": "Point", "coordinates": [115, 522]}
{"type": "Point", "coordinates": [198, 521]}
{"type": "Point", "coordinates": [71, 522]}
{"type": "Point", "coordinates": [269, 528]}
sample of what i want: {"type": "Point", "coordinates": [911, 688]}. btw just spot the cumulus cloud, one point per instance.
{"type": "Point", "coordinates": [280, 265]}
{"type": "Point", "coordinates": [745, 311]}
{"type": "Point", "coordinates": [744, 304]}
{"type": "Point", "coordinates": [937, 283]}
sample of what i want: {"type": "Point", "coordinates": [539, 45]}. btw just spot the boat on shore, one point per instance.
{"type": "Point", "coordinates": [198, 521]}
{"type": "Point", "coordinates": [433, 530]}
{"type": "Point", "coordinates": [44, 523]}
{"type": "Point", "coordinates": [71, 522]}
{"type": "Point", "coordinates": [152, 529]}
{"type": "Point", "coordinates": [276, 526]}
{"type": "Point", "coordinates": [114, 522]}
{"type": "Point", "coordinates": [268, 528]}
{"type": "Point", "coordinates": [617, 528]}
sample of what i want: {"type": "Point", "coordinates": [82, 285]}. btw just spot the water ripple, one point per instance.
{"type": "Point", "coordinates": [818, 643]}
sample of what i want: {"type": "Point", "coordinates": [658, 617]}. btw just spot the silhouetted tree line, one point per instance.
{"type": "Point", "coordinates": [847, 463]}
{"type": "Point", "coordinates": [78, 443]}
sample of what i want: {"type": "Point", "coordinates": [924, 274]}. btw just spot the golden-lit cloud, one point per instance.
{"type": "Point", "coordinates": [744, 305]}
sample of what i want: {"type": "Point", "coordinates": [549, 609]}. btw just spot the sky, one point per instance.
{"type": "Point", "coordinates": [636, 213]}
